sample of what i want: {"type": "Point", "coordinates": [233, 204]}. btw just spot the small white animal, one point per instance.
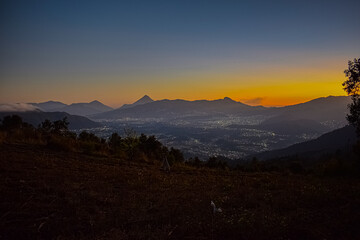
{"type": "Point", "coordinates": [215, 209]}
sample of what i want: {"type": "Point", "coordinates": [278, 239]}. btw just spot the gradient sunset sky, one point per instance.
{"type": "Point", "coordinates": [258, 52]}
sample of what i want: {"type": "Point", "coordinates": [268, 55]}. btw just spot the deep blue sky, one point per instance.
{"type": "Point", "coordinates": [61, 48]}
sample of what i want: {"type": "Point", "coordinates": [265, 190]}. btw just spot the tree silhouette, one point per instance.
{"type": "Point", "coordinates": [352, 88]}
{"type": "Point", "coordinates": [61, 126]}
{"type": "Point", "coordinates": [12, 122]}
{"type": "Point", "coordinates": [46, 126]}
{"type": "Point", "coordinates": [131, 142]}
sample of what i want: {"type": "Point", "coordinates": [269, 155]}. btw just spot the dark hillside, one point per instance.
{"type": "Point", "coordinates": [340, 139]}
{"type": "Point", "coordinates": [320, 109]}
{"type": "Point", "coordinates": [37, 117]}
{"type": "Point", "coordinates": [47, 194]}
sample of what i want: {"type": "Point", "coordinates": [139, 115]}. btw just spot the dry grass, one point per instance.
{"type": "Point", "coordinates": [46, 194]}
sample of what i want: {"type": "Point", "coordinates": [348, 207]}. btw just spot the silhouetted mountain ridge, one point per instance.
{"type": "Point", "coordinates": [49, 105]}
{"type": "Point", "coordinates": [320, 109]}
{"type": "Point", "coordinates": [144, 100]}
{"type": "Point", "coordinates": [323, 110]}
{"type": "Point", "coordinates": [180, 108]}
{"type": "Point", "coordinates": [82, 109]}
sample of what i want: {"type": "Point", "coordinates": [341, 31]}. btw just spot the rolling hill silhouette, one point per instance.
{"type": "Point", "coordinates": [82, 109]}
{"type": "Point", "coordinates": [86, 109]}
{"type": "Point", "coordinates": [340, 139]}
{"type": "Point", "coordinates": [49, 106]}
{"type": "Point", "coordinates": [319, 109]}
{"type": "Point", "coordinates": [36, 117]}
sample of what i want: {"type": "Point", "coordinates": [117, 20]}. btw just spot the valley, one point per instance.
{"type": "Point", "coordinates": [231, 137]}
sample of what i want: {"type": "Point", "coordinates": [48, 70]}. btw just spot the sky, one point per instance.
{"type": "Point", "coordinates": [271, 53]}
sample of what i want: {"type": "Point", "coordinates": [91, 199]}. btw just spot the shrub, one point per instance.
{"type": "Point", "coordinates": [91, 144]}
{"type": "Point", "coordinates": [214, 162]}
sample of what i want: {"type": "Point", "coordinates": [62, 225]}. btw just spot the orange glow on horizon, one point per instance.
{"type": "Point", "coordinates": [265, 95]}
{"type": "Point", "coordinates": [266, 86]}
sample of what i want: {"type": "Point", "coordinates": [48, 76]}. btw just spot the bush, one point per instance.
{"type": "Point", "coordinates": [11, 123]}
{"type": "Point", "coordinates": [214, 162]}
{"type": "Point", "coordinates": [195, 162]}
{"type": "Point", "coordinates": [116, 145]}
{"type": "Point", "coordinates": [151, 147]}
{"type": "Point", "coordinates": [91, 144]}
{"type": "Point", "coordinates": [175, 155]}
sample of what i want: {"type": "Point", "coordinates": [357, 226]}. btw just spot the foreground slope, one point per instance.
{"type": "Point", "coordinates": [47, 194]}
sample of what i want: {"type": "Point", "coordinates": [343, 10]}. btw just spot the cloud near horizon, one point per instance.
{"type": "Point", "coordinates": [17, 107]}
{"type": "Point", "coordinates": [253, 101]}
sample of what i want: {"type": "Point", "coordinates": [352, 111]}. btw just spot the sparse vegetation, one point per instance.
{"type": "Point", "coordinates": [56, 135]}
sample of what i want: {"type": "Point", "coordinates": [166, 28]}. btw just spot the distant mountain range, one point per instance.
{"type": "Point", "coordinates": [321, 110]}
{"type": "Point", "coordinates": [82, 109]}
{"type": "Point", "coordinates": [339, 139]}
{"type": "Point", "coordinates": [37, 117]}
{"type": "Point", "coordinates": [326, 110]}
{"type": "Point", "coordinates": [170, 109]}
